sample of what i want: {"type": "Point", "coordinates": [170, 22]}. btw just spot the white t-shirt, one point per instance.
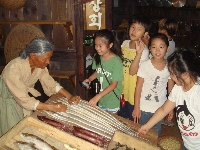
{"type": "Point", "coordinates": [154, 88]}
{"type": "Point", "coordinates": [188, 114]}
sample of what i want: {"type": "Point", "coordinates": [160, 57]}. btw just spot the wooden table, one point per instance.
{"type": "Point", "coordinates": [152, 135]}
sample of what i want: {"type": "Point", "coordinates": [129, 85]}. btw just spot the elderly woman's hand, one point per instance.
{"type": "Point", "coordinates": [59, 107]}
{"type": "Point", "coordinates": [74, 99]}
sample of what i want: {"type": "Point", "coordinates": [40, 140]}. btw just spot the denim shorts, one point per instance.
{"type": "Point", "coordinates": [126, 111]}
{"type": "Point", "coordinates": [110, 110]}
{"type": "Point", "coordinates": [145, 116]}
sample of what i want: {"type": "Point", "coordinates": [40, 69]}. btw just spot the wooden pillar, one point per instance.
{"type": "Point", "coordinates": [78, 38]}
{"type": "Point", "coordinates": [109, 14]}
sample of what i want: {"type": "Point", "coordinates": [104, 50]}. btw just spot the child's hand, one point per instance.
{"type": "Point", "coordinates": [87, 80]}
{"type": "Point", "coordinates": [93, 102]}
{"type": "Point", "coordinates": [136, 115]}
{"type": "Point", "coordinates": [145, 39]}
{"type": "Point", "coordinates": [170, 116]}
{"type": "Point", "coordinates": [139, 46]}
{"type": "Point", "coordinates": [143, 129]}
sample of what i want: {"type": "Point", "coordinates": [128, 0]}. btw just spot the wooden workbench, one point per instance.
{"type": "Point", "coordinates": [57, 138]}
{"type": "Point", "coordinates": [151, 136]}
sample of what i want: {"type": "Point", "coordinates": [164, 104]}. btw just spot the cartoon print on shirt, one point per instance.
{"type": "Point", "coordinates": [148, 97]}
{"type": "Point", "coordinates": [154, 90]}
{"type": "Point", "coordinates": [101, 83]}
{"type": "Point", "coordinates": [104, 72]}
{"type": "Point", "coordinates": [185, 119]}
{"type": "Point", "coordinates": [127, 62]}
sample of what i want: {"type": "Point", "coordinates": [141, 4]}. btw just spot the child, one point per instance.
{"type": "Point", "coordinates": [168, 26]}
{"type": "Point", "coordinates": [152, 79]}
{"type": "Point", "coordinates": [139, 27]}
{"type": "Point", "coordinates": [108, 65]}
{"type": "Point", "coordinates": [184, 97]}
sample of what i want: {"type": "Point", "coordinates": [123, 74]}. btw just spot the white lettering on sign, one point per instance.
{"type": "Point", "coordinates": [96, 19]}
{"type": "Point", "coordinates": [96, 7]}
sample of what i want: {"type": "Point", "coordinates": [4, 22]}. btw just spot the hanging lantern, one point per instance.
{"type": "Point", "coordinates": [12, 4]}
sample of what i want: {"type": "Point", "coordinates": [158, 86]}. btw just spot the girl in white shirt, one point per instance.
{"type": "Point", "coordinates": [184, 97]}
{"type": "Point", "coordinates": [152, 79]}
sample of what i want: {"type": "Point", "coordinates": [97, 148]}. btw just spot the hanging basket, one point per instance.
{"type": "Point", "coordinates": [18, 38]}
{"type": "Point", "coordinates": [12, 4]}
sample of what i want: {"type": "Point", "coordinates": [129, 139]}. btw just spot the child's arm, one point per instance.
{"type": "Point", "coordinates": [139, 45]}
{"type": "Point", "coordinates": [91, 78]}
{"type": "Point", "coordinates": [158, 115]}
{"type": "Point", "coordinates": [107, 90]}
{"type": "Point", "coordinates": [136, 112]}
{"type": "Point", "coordinates": [170, 86]}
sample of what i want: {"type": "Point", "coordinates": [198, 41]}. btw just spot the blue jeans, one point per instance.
{"type": "Point", "coordinates": [110, 110]}
{"type": "Point", "coordinates": [145, 116]}
{"type": "Point", "coordinates": [126, 111]}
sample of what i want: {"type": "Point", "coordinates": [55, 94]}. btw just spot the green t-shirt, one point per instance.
{"type": "Point", "coordinates": [113, 69]}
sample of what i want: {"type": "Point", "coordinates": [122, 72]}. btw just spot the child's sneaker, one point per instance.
{"type": "Point", "coordinates": [170, 124]}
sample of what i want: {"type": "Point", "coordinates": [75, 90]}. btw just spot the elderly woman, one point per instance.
{"type": "Point", "coordinates": [17, 93]}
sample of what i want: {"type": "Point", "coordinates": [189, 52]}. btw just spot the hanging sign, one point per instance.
{"type": "Point", "coordinates": [95, 15]}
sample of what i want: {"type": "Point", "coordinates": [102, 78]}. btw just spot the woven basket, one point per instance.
{"type": "Point", "coordinates": [12, 4]}
{"type": "Point", "coordinates": [18, 38]}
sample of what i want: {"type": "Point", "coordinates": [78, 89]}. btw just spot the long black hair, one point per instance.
{"type": "Point", "coordinates": [182, 61]}
{"type": "Point", "coordinates": [110, 37]}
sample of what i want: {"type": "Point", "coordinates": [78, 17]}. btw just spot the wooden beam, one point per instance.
{"type": "Point", "coordinates": [34, 22]}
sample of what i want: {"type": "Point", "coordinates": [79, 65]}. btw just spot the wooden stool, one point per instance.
{"type": "Point", "coordinates": [69, 75]}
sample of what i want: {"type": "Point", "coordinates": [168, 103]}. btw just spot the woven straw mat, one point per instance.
{"type": "Point", "coordinates": [18, 38]}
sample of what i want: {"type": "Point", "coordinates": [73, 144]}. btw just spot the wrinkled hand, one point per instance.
{"type": "Point", "coordinates": [93, 102]}
{"type": "Point", "coordinates": [59, 107]}
{"type": "Point", "coordinates": [143, 129]}
{"type": "Point", "coordinates": [74, 99]}
{"type": "Point", "coordinates": [136, 115]}
{"type": "Point", "coordinates": [139, 46]}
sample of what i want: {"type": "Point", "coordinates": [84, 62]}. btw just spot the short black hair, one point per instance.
{"type": "Point", "coordinates": [142, 19]}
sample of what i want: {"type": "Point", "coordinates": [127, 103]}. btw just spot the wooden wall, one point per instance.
{"type": "Point", "coordinates": [55, 18]}
{"type": "Point", "coordinates": [44, 11]}
{"type": "Point", "coordinates": [188, 34]}
{"type": "Point", "coordinates": [51, 17]}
